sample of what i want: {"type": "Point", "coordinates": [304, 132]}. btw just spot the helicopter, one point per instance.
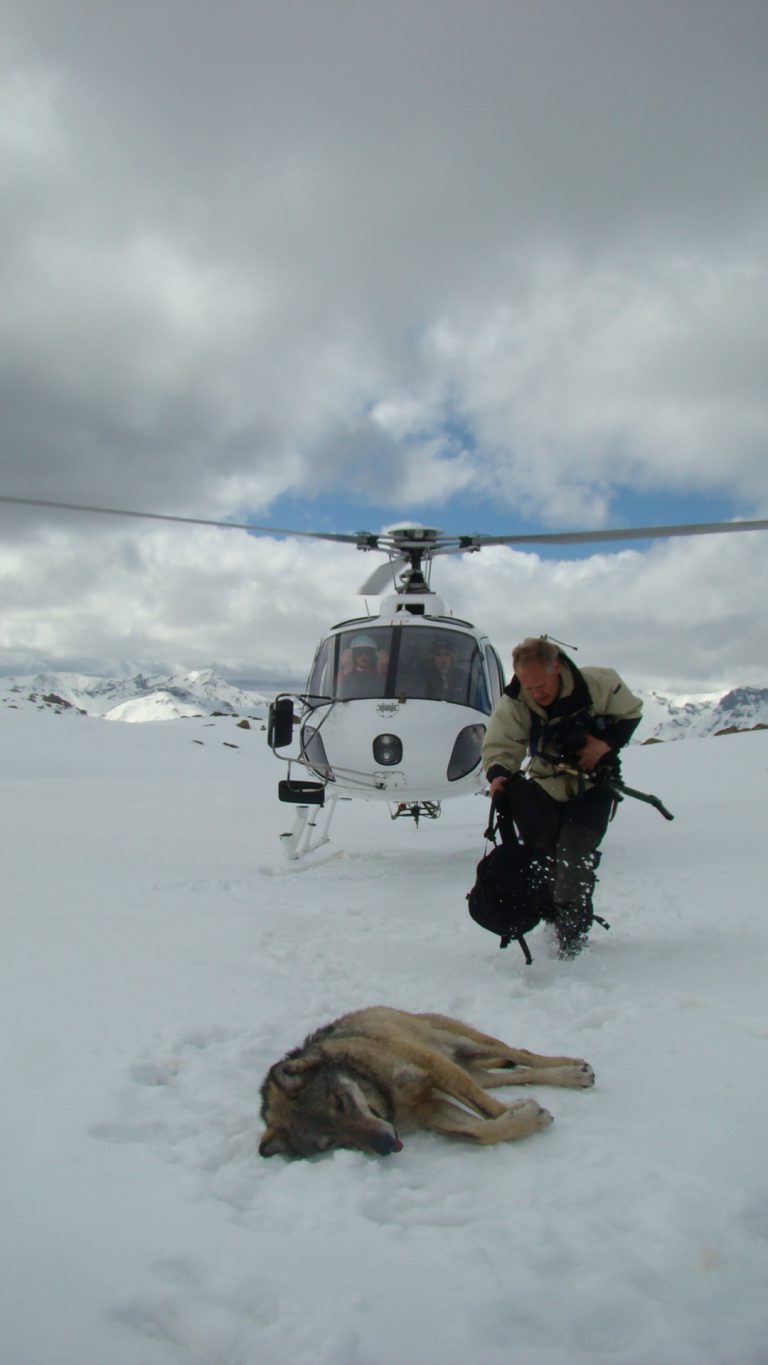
{"type": "Point", "coordinates": [396, 704]}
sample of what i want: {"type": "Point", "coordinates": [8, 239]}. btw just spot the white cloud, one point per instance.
{"type": "Point", "coordinates": [401, 252]}
{"type": "Point", "coordinates": [597, 379]}
{"type": "Point", "coordinates": [681, 617]}
{"type": "Point", "coordinates": [686, 616]}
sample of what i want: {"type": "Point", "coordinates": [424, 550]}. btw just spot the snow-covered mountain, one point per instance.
{"type": "Point", "coordinates": [142, 697]}
{"type": "Point", "coordinates": [148, 697]}
{"type": "Point", "coordinates": [667, 718]}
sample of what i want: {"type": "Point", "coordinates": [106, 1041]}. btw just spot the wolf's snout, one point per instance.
{"type": "Point", "coordinates": [386, 1143]}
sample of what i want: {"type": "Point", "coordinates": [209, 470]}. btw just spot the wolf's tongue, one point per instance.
{"type": "Point", "coordinates": [398, 1146]}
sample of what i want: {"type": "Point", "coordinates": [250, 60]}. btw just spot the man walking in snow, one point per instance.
{"type": "Point", "coordinates": [572, 723]}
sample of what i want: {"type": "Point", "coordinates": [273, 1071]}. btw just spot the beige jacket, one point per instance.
{"type": "Point", "coordinates": [508, 737]}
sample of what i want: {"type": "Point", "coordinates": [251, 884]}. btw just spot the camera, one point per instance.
{"type": "Point", "coordinates": [569, 738]}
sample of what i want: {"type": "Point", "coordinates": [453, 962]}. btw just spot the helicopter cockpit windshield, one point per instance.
{"type": "Point", "coordinates": [434, 664]}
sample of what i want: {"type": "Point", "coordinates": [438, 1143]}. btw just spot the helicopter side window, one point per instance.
{"type": "Point", "coordinates": [478, 687]}
{"type": "Point", "coordinates": [321, 679]}
{"type": "Point", "coordinates": [495, 673]}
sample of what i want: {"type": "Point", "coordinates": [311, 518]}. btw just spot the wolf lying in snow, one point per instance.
{"type": "Point", "coordinates": [369, 1076]}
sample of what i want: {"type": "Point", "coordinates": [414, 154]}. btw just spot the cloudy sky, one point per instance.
{"type": "Point", "coordinates": [333, 264]}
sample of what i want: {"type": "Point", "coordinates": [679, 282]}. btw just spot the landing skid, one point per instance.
{"type": "Point", "coordinates": [413, 810]}
{"type": "Point", "coordinates": [310, 830]}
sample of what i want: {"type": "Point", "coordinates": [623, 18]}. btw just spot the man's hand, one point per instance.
{"type": "Point", "coordinates": [594, 750]}
{"type": "Point", "coordinates": [498, 785]}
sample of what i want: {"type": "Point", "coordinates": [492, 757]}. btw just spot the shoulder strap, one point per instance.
{"type": "Point", "coordinates": [490, 835]}
{"type": "Point", "coordinates": [493, 821]}
{"type": "Point", "coordinates": [507, 938]}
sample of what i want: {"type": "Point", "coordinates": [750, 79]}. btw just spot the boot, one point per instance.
{"type": "Point", "coordinates": [540, 882]}
{"type": "Point", "coordinates": [572, 926]}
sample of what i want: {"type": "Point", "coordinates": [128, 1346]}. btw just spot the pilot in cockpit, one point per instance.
{"type": "Point", "coordinates": [361, 673]}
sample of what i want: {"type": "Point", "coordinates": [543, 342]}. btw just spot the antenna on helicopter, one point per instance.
{"type": "Point", "coordinates": [563, 644]}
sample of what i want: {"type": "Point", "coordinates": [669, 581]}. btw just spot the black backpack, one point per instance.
{"type": "Point", "coordinates": [509, 896]}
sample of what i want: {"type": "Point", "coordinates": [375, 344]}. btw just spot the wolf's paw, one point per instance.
{"type": "Point", "coordinates": [525, 1116]}
{"type": "Point", "coordinates": [571, 1073]}
{"type": "Point", "coordinates": [583, 1075]}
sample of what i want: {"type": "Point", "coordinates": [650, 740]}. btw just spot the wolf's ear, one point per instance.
{"type": "Point", "coordinates": [291, 1074]}
{"type": "Point", "coordinates": [273, 1143]}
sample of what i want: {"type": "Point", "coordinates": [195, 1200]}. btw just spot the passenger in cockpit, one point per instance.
{"type": "Point", "coordinates": [443, 680]}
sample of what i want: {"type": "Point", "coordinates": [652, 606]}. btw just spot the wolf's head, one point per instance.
{"type": "Point", "coordinates": [311, 1104]}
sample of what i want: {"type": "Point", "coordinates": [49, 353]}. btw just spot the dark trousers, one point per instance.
{"type": "Point", "coordinates": [565, 836]}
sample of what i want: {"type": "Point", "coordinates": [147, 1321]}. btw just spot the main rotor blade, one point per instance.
{"type": "Point", "coordinates": [187, 521]}
{"type": "Point", "coordinates": [366, 540]}
{"type": "Point", "coordinates": [703, 528]}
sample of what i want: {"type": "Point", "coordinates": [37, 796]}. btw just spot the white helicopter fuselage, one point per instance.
{"type": "Point", "coordinates": [397, 705]}
{"type": "Point", "coordinates": [427, 732]}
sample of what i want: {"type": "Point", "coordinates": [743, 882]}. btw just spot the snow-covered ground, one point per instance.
{"type": "Point", "coordinates": [159, 955]}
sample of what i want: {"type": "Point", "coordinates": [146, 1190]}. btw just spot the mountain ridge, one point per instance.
{"type": "Point", "coordinates": [150, 697]}
{"type": "Point", "coordinates": [142, 697]}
